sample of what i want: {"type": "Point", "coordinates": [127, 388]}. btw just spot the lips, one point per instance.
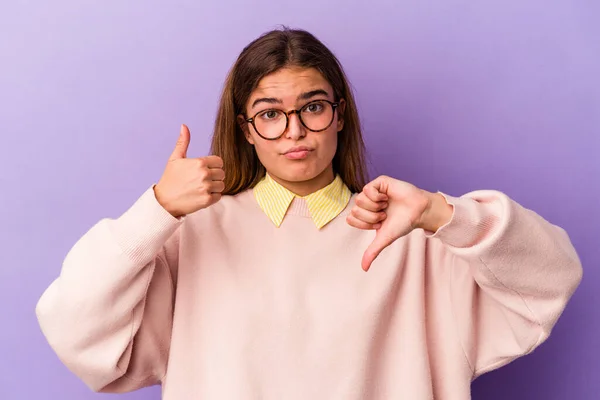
{"type": "Point", "coordinates": [298, 153]}
{"type": "Point", "coordinates": [298, 149]}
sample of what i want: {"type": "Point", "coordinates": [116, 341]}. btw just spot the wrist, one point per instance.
{"type": "Point", "coordinates": [164, 204]}
{"type": "Point", "coordinates": [437, 213]}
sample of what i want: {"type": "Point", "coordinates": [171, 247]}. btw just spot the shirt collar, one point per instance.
{"type": "Point", "coordinates": [323, 205]}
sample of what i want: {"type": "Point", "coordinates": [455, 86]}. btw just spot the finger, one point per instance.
{"type": "Point", "coordinates": [213, 198]}
{"type": "Point", "coordinates": [380, 242]}
{"type": "Point", "coordinates": [356, 223]}
{"type": "Point", "coordinates": [373, 192]}
{"type": "Point", "coordinates": [212, 162]}
{"type": "Point", "coordinates": [216, 187]}
{"type": "Point", "coordinates": [216, 174]}
{"type": "Point", "coordinates": [364, 202]}
{"type": "Point", "coordinates": [182, 145]}
{"type": "Point", "coordinates": [368, 216]}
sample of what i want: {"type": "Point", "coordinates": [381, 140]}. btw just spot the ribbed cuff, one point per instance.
{"type": "Point", "coordinates": [469, 224]}
{"type": "Point", "coordinates": [144, 228]}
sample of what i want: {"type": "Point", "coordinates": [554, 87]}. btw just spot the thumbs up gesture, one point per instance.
{"type": "Point", "coordinates": [189, 184]}
{"type": "Point", "coordinates": [394, 208]}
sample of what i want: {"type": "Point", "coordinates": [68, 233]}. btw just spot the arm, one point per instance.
{"type": "Point", "coordinates": [108, 315]}
{"type": "Point", "coordinates": [512, 274]}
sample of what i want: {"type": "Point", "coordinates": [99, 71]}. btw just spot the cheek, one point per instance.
{"type": "Point", "coordinates": [329, 143]}
{"type": "Point", "coordinates": [265, 151]}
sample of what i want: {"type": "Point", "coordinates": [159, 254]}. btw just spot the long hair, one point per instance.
{"type": "Point", "coordinates": [267, 54]}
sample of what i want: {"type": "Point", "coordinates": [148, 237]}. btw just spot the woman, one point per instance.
{"type": "Point", "coordinates": [237, 276]}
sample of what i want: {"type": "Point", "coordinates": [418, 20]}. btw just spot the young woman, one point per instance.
{"type": "Point", "coordinates": [238, 275]}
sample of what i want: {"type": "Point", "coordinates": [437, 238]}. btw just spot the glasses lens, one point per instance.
{"type": "Point", "coordinates": [317, 115]}
{"type": "Point", "coordinates": [270, 123]}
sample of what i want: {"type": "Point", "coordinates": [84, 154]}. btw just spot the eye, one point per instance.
{"type": "Point", "coordinates": [269, 114]}
{"type": "Point", "coordinates": [313, 108]}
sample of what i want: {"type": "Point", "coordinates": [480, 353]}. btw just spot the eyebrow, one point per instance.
{"type": "Point", "coordinates": [312, 93]}
{"type": "Point", "coordinates": [303, 96]}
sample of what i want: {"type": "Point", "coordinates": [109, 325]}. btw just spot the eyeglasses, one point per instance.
{"type": "Point", "coordinates": [272, 123]}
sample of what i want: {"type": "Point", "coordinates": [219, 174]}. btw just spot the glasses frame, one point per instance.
{"type": "Point", "coordinates": [334, 106]}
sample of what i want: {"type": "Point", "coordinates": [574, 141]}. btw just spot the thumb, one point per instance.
{"type": "Point", "coordinates": [182, 144]}
{"type": "Point", "coordinates": [381, 241]}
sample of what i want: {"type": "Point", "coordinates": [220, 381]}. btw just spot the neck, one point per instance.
{"type": "Point", "coordinates": [304, 188]}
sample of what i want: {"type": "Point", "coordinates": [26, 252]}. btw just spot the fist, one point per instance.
{"type": "Point", "coordinates": [189, 184]}
{"type": "Point", "coordinates": [392, 208]}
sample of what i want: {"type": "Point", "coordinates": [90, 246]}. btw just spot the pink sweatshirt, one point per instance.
{"type": "Point", "coordinates": [224, 305]}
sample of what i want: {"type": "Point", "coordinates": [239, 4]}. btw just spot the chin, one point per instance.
{"type": "Point", "coordinates": [300, 173]}
{"type": "Point", "coordinates": [297, 177]}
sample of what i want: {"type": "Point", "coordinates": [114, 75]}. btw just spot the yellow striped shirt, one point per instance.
{"type": "Point", "coordinates": [323, 205]}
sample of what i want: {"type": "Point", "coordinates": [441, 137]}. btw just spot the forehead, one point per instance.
{"type": "Point", "coordinates": [288, 83]}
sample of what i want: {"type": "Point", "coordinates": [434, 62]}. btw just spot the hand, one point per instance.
{"type": "Point", "coordinates": [394, 209]}
{"type": "Point", "coordinates": [189, 184]}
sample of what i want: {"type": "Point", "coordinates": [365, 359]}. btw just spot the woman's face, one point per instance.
{"type": "Point", "coordinates": [300, 158]}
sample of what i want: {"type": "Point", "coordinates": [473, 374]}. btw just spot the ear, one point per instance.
{"type": "Point", "coordinates": [241, 120]}
{"type": "Point", "coordinates": [341, 112]}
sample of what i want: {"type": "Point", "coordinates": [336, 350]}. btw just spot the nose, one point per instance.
{"type": "Point", "coordinates": [295, 129]}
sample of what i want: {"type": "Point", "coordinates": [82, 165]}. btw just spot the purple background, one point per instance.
{"type": "Point", "coordinates": [454, 96]}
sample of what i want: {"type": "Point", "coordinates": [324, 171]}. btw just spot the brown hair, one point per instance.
{"type": "Point", "coordinates": [270, 52]}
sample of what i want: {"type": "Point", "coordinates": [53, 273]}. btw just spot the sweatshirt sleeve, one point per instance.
{"type": "Point", "coordinates": [512, 274]}
{"type": "Point", "coordinates": [108, 315]}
